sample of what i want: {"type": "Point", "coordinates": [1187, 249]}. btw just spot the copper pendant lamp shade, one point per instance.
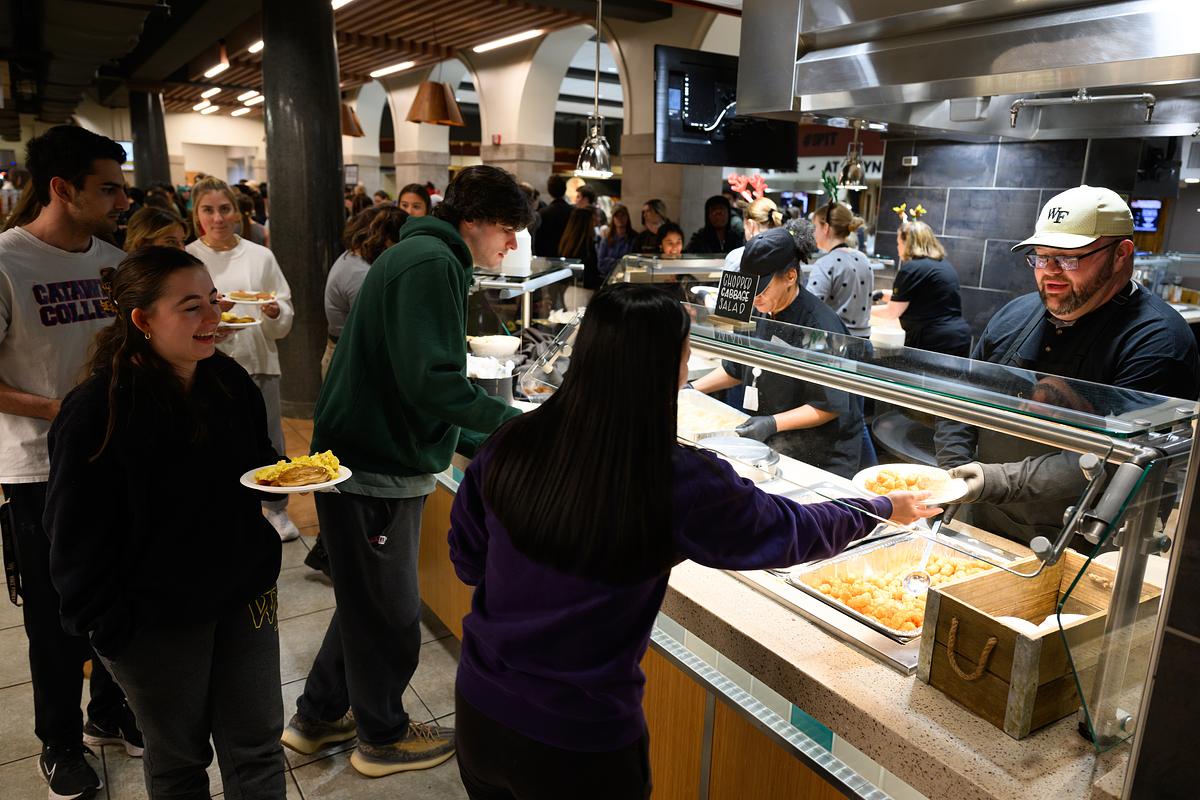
{"type": "Point", "coordinates": [435, 104]}
{"type": "Point", "coordinates": [350, 124]}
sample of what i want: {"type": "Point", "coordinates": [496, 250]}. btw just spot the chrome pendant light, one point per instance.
{"type": "Point", "coordinates": [594, 159]}
{"type": "Point", "coordinates": [853, 177]}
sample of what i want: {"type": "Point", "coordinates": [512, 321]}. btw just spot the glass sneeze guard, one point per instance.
{"type": "Point", "coordinates": [1086, 406]}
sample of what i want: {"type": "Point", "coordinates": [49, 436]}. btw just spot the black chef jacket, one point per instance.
{"type": "Point", "coordinates": [836, 445]}
{"type": "Point", "coordinates": [933, 319]}
{"type": "Point", "coordinates": [1135, 341]}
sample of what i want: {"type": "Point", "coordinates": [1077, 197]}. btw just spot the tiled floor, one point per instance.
{"type": "Point", "coordinates": [305, 605]}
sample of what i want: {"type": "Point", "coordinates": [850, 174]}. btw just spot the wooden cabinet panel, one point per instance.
{"type": "Point", "coordinates": [441, 590]}
{"type": "Point", "coordinates": [674, 706]}
{"type": "Point", "coordinates": [745, 764]}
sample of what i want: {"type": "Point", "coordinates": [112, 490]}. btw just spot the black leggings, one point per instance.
{"type": "Point", "coordinates": [497, 763]}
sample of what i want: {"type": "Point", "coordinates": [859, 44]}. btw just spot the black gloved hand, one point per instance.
{"type": "Point", "coordinates": [758, 428]}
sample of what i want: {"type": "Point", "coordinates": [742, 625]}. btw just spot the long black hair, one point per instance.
{"type": "Point", "coordinates": [583, 483]}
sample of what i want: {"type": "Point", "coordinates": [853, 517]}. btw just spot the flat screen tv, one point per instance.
{"type": "Point", "coordinates": [1145, 215]}
{"type": "Point", "coordinates": [696, 119]}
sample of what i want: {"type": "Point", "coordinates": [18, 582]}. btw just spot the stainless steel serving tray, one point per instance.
{"type": "Point", "coordinates": [887, 555]}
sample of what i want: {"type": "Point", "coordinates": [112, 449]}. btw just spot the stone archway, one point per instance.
{"type": "Point", "coordinates": [363, 151]}
{"type": "Point", "coordinates": [518, 87]}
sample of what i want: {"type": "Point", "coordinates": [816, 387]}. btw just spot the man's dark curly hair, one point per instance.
{"type": "Point", "coordinates": [67, 152]}
{"type": "Point", "coordinates": [483, 193]}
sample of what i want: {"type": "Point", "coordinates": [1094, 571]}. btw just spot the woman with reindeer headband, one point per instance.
{"type": "Point", "coordinates": [925, 296]}
{"type": "Point", "coordinates": [759, 212]}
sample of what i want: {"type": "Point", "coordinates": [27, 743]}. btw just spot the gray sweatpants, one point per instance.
{"type": "Point", "coordinates": [186, 682]}
{"type": "Point", "coordinates": [269, 386]}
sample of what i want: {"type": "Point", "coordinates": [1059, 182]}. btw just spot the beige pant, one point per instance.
{"type": "Point", "coordinates": [325, 359]}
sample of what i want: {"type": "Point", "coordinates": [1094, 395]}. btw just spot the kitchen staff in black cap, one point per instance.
{"type": "Point", "coordinates": [814, 424]}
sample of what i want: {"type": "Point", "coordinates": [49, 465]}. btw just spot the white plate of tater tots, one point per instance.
{"type": "Point", "coordinates": [886, 478]}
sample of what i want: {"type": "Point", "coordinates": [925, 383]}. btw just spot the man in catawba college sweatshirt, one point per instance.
{"type": "Point", "coordinates": [50, 309]}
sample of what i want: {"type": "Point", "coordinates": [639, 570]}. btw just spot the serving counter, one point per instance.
{"type": "Point", "coordinates": [912, 732]}
{"type": "Point", "coordinates": [751, 693]}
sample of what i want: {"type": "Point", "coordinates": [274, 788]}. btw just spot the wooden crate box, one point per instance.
{"type": "Point", "coordinates": [1024, 681]}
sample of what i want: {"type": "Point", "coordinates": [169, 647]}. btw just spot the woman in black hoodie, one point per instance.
{"type": "Point", "coordinates": [158, 552]}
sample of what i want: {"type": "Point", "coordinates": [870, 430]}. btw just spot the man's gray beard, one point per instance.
{"type": "Point", "coordinates": [1078, 298]}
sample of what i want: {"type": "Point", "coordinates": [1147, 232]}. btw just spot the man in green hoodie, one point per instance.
{"type": "Point", "coordinates": [393, 407]}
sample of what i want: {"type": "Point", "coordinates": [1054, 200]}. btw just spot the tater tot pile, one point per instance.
{"type": "Point", "coordinates": [881, 595]}
{"type": "Point", "coordinates": [887, 480]}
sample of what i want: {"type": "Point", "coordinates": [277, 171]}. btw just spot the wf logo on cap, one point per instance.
{"type": "Point", "coordinates": [1057, 215]}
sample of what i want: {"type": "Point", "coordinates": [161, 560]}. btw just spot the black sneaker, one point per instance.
{"type": "Point", "coordinates": [67, 772]}
{"type": "Point", "coordinates": [121, 730]}
{"type": "Point", "coordinates": [317, 558]}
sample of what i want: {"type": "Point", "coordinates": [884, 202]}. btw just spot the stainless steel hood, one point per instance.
{"type": "Point", "coordinates": [958, 67]}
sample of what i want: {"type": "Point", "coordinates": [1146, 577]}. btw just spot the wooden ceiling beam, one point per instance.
{"type": "Point", "coordinates": [393, 44]}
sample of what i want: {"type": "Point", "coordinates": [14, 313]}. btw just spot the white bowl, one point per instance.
{"type": "Point", "coordinates": [495, 346]}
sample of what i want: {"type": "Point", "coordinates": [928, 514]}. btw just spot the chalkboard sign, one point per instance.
{"type": "Point", "coordinates": [735, 295]}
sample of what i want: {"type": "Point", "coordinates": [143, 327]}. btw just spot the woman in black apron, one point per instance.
{"type": "Point", "coordinates": [811, 423]}
{"type": "Point", "coordinates": [925, 295]}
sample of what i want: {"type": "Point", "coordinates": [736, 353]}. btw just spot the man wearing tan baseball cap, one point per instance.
{"type": "Point", "coordinates": [1085, 232]}
{"type": "Point", "coordinates": [1087, 320]}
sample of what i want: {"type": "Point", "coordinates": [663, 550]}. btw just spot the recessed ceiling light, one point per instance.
{"type": "Point", "coordinates": [238, 112]}
{"type": "Point", "coordinates": [244, 96]}
{"type": "Point", "coordinates": [507, 40]}
{"type": "Point", "coordinates": [203, 104]}
{"type": "Point", "coordinates": [210, 110]}
{"type": "Point", "coordinates": [207, 93]}
{"type": "Point", "coordinates": [253, 101]}
{"type": "Point", "coordinates": [394, 68]}
{"type": "Point", "coordinates": [256, 47]}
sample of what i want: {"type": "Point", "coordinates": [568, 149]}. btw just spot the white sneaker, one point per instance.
{"type": "Point", "coordinates": [283, 525]}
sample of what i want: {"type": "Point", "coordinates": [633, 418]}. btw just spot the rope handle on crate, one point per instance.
{"type": "Point", "coordinates": [983, 656]}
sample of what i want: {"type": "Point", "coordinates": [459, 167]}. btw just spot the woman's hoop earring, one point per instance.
{"type": "Point", "coordinates": [147, 336]}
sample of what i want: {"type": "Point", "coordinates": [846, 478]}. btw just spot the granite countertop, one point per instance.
{"type": "Point", "coordinates": [911, 729]}
{"type": "Point", "coordinates": [1190, 313]}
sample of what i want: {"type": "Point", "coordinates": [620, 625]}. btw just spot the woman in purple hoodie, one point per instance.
{"type": "Point", "coordinates": [568, 524]}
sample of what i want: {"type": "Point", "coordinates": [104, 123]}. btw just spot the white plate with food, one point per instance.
{"type": "Point", "coordinates": [301, 474]}
{"type": "Point", "coordinates": [886, 478]}
{"type": "Point", "coordinates": [238, 325]}
{"type": "Point", "coordinates": [248, 298]}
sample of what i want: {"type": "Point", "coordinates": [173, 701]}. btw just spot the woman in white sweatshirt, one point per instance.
{"type": "Point", "coordinates": [237, 264]}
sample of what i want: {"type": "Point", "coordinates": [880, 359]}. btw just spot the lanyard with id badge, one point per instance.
{"type": "Point", "coordinates": [750, 395]}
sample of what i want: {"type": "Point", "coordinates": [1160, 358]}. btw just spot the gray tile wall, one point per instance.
{"type": "Point", "coordinates": [984, 198]}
